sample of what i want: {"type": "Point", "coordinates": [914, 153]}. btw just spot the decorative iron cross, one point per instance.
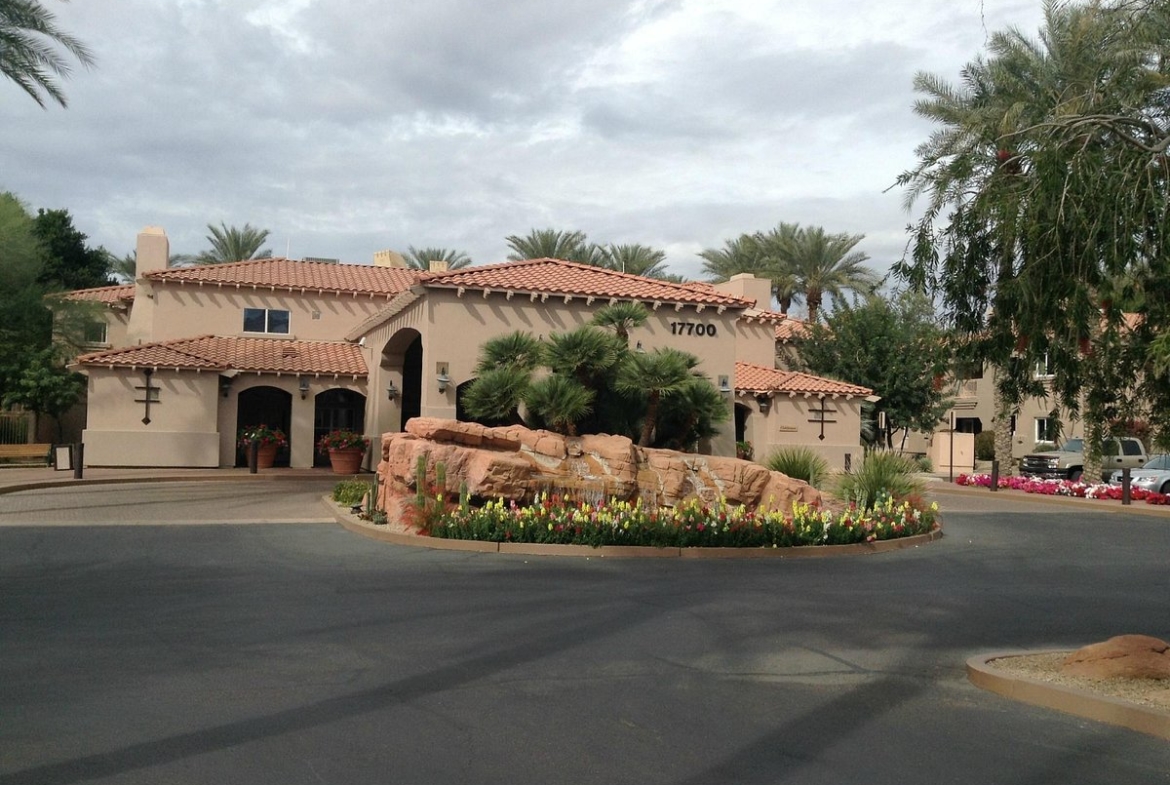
{"type": "Point", "coordinates": [820, 413]}
{"type": "Point", "coordinates": [149, 395]}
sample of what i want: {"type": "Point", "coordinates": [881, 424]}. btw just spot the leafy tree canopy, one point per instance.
{"type": "Point", "coordinates": [892, 346]}
{"type": "Point", "coordinates": [69, 263]}
{"type": "Point", "coordinates": [234, 244]}
{"type": "Point", "coordinates": [29, 38]}
{"type": "Point", "coordinates": [1047, 207]}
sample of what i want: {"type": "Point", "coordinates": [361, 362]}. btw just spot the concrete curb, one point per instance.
{"type": "Point", "coordinates": [40, 485]}
{"type": "Point", "coordinates": [1069, 700]}
{"type": "Point", "coordinates": [385, 533]}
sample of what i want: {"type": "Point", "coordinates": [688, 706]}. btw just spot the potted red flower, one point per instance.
{"type": "Point", "coordinates": [345, 450]}
{"type": "Point", "coordinates": [268, 441]}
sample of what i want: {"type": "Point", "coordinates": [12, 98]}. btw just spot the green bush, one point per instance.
{"type": "Point", "coordinates": [985, 446]}
{"type": "Point", "coordinates": [924, 463]}
{"type": "Point", "coordinates": [880, 475]}
{"type": "Point", "coordinates": [799, 463]}
{"type": "Point", "coordinates": [351, 492]}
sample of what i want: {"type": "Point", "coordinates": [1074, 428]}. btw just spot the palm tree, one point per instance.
{"type": "Point", "coordinates": [622, 317]}
{"type": "Point", "coordinates": [656, 375]}
{"type": "Point", "coordinates": [421, 258]}
{"type": "Point", "coordinates": [740, 255]}
{"type": "Point", "coordinates": [774, 250]}
{"type": "Point", "coordinates": [636, 259]}
{"type": "Point", "coordinates": [827, 264]}
{"type": "Point", "coordinates": [692, 415]}
{"type": "Point", "coordinates": [554, 244]}
{"type": "Point", "coordinates": [28, 33]}
{"type": "Point", "coordinates": [560, 401]}
{"type": "Point", "coordinates": [495, 395]}
{"type": "Point", "coordinates": [517, 350]}
{"type": "Point", "coordinates": [233, 244]}
{"type": "Point", "coordinates": [585, 354]}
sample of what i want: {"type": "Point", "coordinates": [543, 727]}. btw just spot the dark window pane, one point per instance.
{"type": "Point", "coordinates": [253, 320]}
{"type": "Point", "coordinates": [278, 321]}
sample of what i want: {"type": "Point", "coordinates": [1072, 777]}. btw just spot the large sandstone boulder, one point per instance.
{"type": "Point", "coordinates": [517, 463]}
{"type": "Point", "coordinates": [1123, 657]}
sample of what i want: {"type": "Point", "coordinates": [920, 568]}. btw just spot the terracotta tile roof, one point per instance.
{"type": "Point", "coordinates": [292, 275]}
{"type": "Point", "coordinates": [763, 315]}
{"type": "Point", "coordinates": [558, 277]}
{"type": "Point", "coordinates": [110, 295]}
{"type": "Point", "coordinates": [791, 328]}
{"type": "Point", "coordinates": [761, 379]}
{"type": "Point", "coordinates": [212, 353]}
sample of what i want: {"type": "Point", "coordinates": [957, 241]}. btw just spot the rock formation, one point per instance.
{"type": "Point", "coordinates": [1123, 657]}
{"type": "Point", "coordinates": [517, 463]}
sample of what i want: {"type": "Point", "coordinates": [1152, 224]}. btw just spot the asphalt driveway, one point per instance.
{"type": "Point", "coordinates": [301, 653]}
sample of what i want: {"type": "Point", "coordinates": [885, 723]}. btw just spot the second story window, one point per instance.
{"type": "Point", "coordinates": [265, 320]}
{"type": "Point", "coordinates": [95, 332]}
{"type": "Point", "coordinates": [1043, 368]}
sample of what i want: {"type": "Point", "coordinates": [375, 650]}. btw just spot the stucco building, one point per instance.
{"type": "Point", "coordinates": [188, 356]}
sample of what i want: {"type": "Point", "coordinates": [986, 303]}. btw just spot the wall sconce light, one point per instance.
{"type": "Point", "coordinates": [443, 379]}
{"type": "Point", "coordinates": [303, 386]}
{"type": "Point", "coordinates": [391, 391]}
{"type": "Point", "coordinates": [725, 385]}
{"type": "Point", "coordinates": [765, 403]}
{"type": "Point", "coordinates": [225, 385]}
{"type": "Point", "coordinates": [639, 348]}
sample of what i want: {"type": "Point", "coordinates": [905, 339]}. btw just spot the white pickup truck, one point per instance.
{"type": "Point", "coordinates": [1067, 462]}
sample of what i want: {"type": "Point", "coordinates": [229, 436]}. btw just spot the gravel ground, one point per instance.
{"type": "Point", "coordinates": [1154, 693]}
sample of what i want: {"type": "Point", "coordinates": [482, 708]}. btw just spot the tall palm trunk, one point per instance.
{"type": "Point", "coordinates": [651, 417]}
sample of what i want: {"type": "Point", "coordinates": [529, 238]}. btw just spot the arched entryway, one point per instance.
{"type": "Point", "coordinates": [335, 410]}
{"type": "Point", "coordinates": [403, 355]}
{"type": "Point", "coordinates": [269, 406]}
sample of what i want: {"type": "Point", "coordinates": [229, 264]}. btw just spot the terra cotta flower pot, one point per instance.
{"type": "Point", "coordinates": [347, 461]}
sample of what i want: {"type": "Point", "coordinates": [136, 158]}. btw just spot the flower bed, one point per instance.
{"type": "Point", "coordinates": [1081, 490]}
{"type": "Point", "coordinates": [556, 519]}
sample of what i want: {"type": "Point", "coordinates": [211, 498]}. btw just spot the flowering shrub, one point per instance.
{"type": "Point", "coordinates": [1063, 488]}
{"type": "Point", "coordinates": [262, 435]}
{"type": "Point", "coordinates": [552, 518]}
{"type": "Point", "coordinates": [342, 440]}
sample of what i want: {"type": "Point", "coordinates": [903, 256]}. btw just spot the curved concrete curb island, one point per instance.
{"type": "Point", "coordinates": [388, 533]}
{"type": "Point", "coordinates": [1069, 700]}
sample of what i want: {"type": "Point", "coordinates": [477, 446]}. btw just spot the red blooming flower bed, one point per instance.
{"type": "Point", "coordinates": [1063, 488]}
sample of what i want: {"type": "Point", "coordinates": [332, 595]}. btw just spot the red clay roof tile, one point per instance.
{"type": "Point", "coordinates": [110, 295]}
{"type": "Point", "coordinates": [555, 276]}
{"type": "Point", "coordinates": [264, 355]}
{"type": "Point", "coordinates": [295, 275]}
{"type": "Point", "coordinates": [753, 378]}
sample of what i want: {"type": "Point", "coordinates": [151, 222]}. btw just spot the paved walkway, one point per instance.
{"type": "Point", "coordinates": [28, 478]}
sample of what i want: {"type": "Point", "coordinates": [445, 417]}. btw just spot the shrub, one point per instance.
{"type": "Point", "coordinates": [799, 463]}
{"type": "Point", "coordinates": [880, 475]}
{"type": "Point", "coordinates": [924, 463]}
{"type": "Point", "coordinates": [985, 446]}
{"type": "Point", "coordinates": [351, 492]}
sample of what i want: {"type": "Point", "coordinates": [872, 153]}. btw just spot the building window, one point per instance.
{"type": "Point", "coordinates": [1045, 429]}
{"type": "Point", "coordinates": [95, 332]}
{"type": "Point", "coordinates": [1043, 369]}
{"type": "Point", "coordinates": [265, 320]}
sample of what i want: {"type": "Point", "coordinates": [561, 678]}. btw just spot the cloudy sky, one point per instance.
{"type": "Point", "coordinates": [349, 126]}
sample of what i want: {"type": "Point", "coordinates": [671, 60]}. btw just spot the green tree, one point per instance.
{"type": "Point", "coordinates": [635, 259]}
{"type": "Point", "coordinates": [692, 415]}
{"type": "Point", "coordinates": [421, 258]}
{"type": "Point", "coordinates": [554, 244]}
{"type": "Point", "coordinates": [234, 244]}
{"type": "Point", "coordinates": [46, 386]}
{"type": "Point", "coordinates": [823, 264]}
{"type": "Point", "coordinates": [29, 38]}
{"type": "Point", "coordinates": [25, 323]}
{"type": "Point", "coordinates": [1047, 207]}
{"type": "Point", "coordinates": [69, 263]}
{"type": "Point", "coordinates": [622, 317]}
{"type": "Point", "coordinates": [895, 348]}
{"type": "Point", "coordinates": [560, 401]}
{"type": "Point", "coordinates": [659, 374]}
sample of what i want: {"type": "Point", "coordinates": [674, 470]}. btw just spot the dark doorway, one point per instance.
{"type": "Point", "coordinates": [968, 425]}
{"type": "Point", "coordinates": [336, 410]}
{"type": "Point", "coordinates": [265, 406]}
{"type": "Point", "coordinates": [741, 416]}
{"type": "Point", "coordinates": [412, 363]}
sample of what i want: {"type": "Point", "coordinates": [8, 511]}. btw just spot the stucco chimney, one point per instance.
{"type": "Point", "coordinates": [388, 259]}
{"type": "Point", "coordinates": [437, 266]}
{"type": "Point", "coordinates": [152, 251]}
{"type": "Point", "coordinates": [749, 287]}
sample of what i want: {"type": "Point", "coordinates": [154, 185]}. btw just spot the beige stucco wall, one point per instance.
{"type": "Point", "coordinates": [787, 422]}
{"type": "Point", "coordinates": [182, 429]}
{"type": "Point", "coordinates": [184, 311]}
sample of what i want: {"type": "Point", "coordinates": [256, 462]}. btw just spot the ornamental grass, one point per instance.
{"type": "Point", "coordinates": [560, 519]}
